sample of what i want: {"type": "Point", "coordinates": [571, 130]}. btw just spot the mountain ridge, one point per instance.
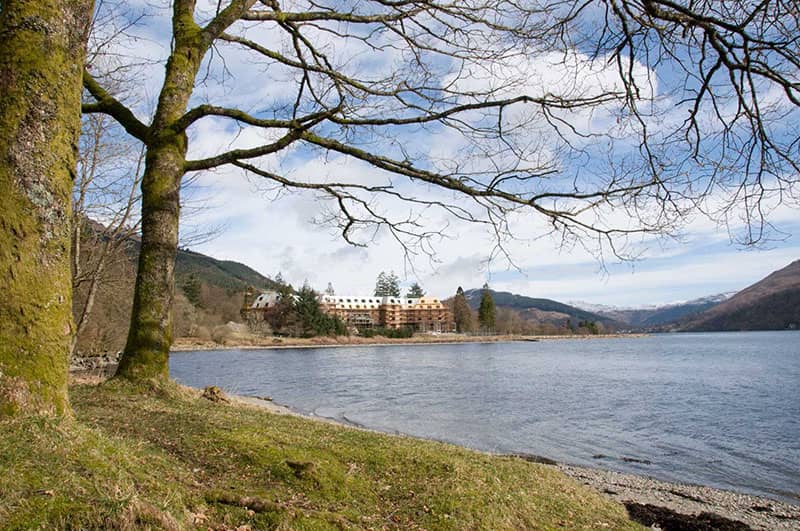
{"type": "Point", "coordinates": [652, 317]}
{"type": "Point", "coordinates": [539, 309]}
{"type": "Point", "coordinates": [772, 303]}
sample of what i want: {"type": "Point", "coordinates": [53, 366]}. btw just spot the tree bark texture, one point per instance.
{"type": "Point", "coordinates": [42, 49]}
{"type": "Point", "coordinates": [146, 354]}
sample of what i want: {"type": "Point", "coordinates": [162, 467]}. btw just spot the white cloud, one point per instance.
{"type": "Point", "coordinates": [274, 235]}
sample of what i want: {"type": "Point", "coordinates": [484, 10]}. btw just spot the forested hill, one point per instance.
{"type": "Point", "coordinates": [223, 273]}
{"type": "Point", "coordinates": [770, 304]}
{"type": "Point", "coordinates": [540, 310]}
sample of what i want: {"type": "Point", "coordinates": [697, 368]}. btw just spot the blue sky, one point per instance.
{"type": "Point", "coordinates": [278, 236]}
{"type": "Point", "coordinates": [274, 230]}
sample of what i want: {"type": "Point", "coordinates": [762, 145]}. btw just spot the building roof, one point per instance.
{"type": "Point", "coordinates": [268, 299]}
{"type": "Point", "coordinates": [367, 302]}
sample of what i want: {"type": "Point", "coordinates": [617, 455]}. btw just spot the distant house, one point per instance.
{"type": "Point", "coordinates": [256, 311]}
{"type": "Point", "coordinates": [267, 299]}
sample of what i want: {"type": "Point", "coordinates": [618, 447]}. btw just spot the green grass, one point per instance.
{"type": "Point", "coordinates": [169, 459]}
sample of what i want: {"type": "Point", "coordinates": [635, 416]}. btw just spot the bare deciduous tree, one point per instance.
{"type": "Point", "coordinates": [106, 224]}
{"type": "Point", "coordinates": [723, 136]}
{"type": "Point", "coordinates": [105, 213]}
{"type": "Point", "coordinates": [606, 118]}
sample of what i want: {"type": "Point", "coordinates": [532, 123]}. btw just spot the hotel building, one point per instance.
{"type": "Point", "coordinates": [424, 314]}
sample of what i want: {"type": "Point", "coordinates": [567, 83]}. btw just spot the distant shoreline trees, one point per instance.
{"type": "Point", "coordinates": [297, 313]}
{"type": "Point", "coordinates": [415, 291]}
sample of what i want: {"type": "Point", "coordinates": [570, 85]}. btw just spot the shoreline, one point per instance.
{"type": "Point", "coordinates": [108, 361]}
{"type": "Point", "coordinates": [690, 505]}
{"type": "Point", "coordinates": [683, 500]}
{"type": "Point", "coordinates": [191, 344]}
{"type": "Point", "coordinates": [758, 512]}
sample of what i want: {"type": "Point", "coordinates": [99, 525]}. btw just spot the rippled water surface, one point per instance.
{"type": "Point", "coordinates": [718, 409]}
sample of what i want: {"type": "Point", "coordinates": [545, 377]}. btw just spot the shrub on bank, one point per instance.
{"type": "Point", "coordinates": [393, 333]}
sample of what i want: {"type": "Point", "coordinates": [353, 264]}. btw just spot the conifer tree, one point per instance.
{"type": "Point", "coordinates": [415, 291]}
{"type": "Point", "coordinates": [387, 285]}
{"type": "Point", "coordinates": [462, 313]}
{"type": "Point", "coordinates": [486, 311]}
{"type": "Point", "coordinates": [193, 290]}
{"type": "Point", "coordinates": [392, 285]}
{"type": "Point", "coordinates": [306, 307]}
{"type": "Point", "coordinates": [380, 285]}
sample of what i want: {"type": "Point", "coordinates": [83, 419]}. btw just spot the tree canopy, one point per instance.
{"type": "Point", "coordinates": [607, 119]}
{"type": "Point", "coordinates": [415, 291]}
{"type": "Point", "coordinates": [311, 320]}
{"type": "Point", "coordinates": [462, 313]}
{"type": "Point", "coordinates": [387, 285]}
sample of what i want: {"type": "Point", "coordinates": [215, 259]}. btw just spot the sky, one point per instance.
{"type": "Point", "coordinates": [276, 230]}
{"type": "Point", "coordinates": [274, 236]}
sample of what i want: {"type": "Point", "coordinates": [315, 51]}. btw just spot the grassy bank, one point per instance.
{"type": "Point", "coordinates": [170, 459]}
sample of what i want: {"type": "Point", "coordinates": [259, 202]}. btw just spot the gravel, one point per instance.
{"type": "Point", "coordinates": [647, 495]}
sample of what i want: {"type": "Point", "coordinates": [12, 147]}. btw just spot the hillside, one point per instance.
{"type": "Point", "coordinates": [541, 311]}
{"type": "Point", "coordinates": [225, 274]}
{"type": "Point", "coordinates": [208, 293]}
{"type": "Point", "coordinates": [770, 304]}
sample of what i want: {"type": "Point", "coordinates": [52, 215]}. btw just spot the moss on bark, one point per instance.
{"type": "Point", "coordinates": [146, 354]}
{"type": "Point", "coordinates": [42, 48]}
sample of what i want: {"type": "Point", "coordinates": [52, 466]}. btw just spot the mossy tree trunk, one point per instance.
{"type": "Point", "coordinates": [146, 354]}
{"type": "Point", "coordinates": [42, 49]}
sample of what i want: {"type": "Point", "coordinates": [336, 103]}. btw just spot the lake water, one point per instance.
{"type": "Point", "coordinates": [719, 409]}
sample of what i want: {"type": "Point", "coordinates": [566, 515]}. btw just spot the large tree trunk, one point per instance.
{"type": "Point", "coordinates": [42, 48]}
{"type": "Point", "coordinates": [146, 354]}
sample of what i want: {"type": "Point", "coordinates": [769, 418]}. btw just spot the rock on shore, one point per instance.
{"type": "Point", "coordinates": [103, 363]}
{"type": "Point", "coordinates": [646, 496]}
